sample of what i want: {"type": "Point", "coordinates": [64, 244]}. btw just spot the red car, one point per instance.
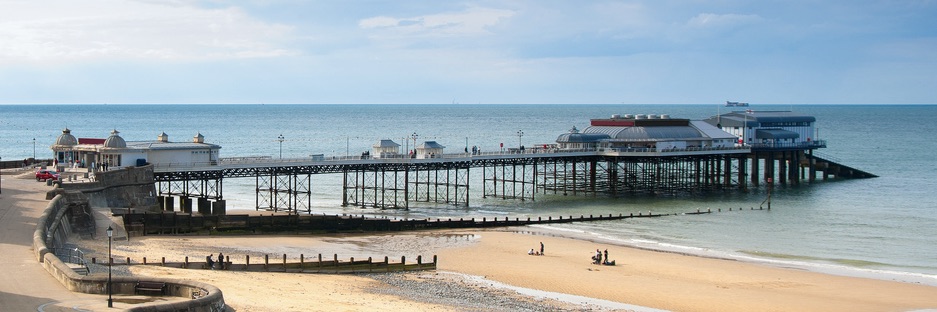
{"type": "Point", "coordinates": [43, 175]}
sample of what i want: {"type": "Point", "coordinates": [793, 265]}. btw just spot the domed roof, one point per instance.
{"type": "Point", "coordinates": [115, 141]}
{"type": "Point", "coordinates": [66, 138]}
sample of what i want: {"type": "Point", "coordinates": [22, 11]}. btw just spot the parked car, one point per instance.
{"type": "Point", "coordinates": [44, 174]}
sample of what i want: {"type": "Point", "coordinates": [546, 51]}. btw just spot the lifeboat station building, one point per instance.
{"type": "Point", "coordinates": [781, 141]}
{"type": "Point", "coordinates": [640, 133]}
{"type": "Point", "coordinates": [770, 130]}
{"type": "Point", "coordinates": [115, 152]}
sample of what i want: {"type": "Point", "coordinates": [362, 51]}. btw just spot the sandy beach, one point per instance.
{"type": "Point", "coordinates": [658, 280]}
{"type": "Point", "coordinates": [641, 280]}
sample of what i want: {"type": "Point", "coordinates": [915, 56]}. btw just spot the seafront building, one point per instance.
{"type": "Point", "coordinates": [115, 152]}
{"type": "Point", "coordinates": [636, 132]}
{"type": "Point", "coordinates": [769, 129]}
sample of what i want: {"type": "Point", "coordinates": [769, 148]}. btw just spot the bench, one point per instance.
{"type": "Point", "coordinates": [153, 287]}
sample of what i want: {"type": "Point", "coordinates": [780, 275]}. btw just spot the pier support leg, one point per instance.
{"type": "Point", "coordinates": [219, 207]}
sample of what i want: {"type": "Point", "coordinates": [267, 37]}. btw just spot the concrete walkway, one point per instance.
{"type": "Point", "coordinates": [24, 284]}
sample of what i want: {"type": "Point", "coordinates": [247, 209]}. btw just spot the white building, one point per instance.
{"type": "Point", "coordinates": [385, 149]}
{"type": "Point", "coordinates": [641, 132]}
{"type": "Point", "coordinates": [429, 149]}
{"type": "Point", "coordinates": [116, 152]}
{"type": "Point", "coordinates": [769, 129]}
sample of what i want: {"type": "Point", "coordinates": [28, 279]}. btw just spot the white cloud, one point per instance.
{"type": "Point", "coordinates": [722, 20]}
{"type": "Point", "coordinates": [68, 31]}
{"type": "Point", "coordinates": [470, 22]}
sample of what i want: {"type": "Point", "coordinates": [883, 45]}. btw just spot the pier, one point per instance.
{"type": "Point", "coordinates": [393, 183]}
{"type": "Point", "coordinates": [624, 155]}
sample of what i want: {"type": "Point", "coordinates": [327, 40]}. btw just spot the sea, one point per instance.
{"type": "Point", "coordinates": [884, 227]}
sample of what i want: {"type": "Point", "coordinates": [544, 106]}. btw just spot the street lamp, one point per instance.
{"type": "Point", "coordinates": [110, 233]}
{"type": "Point", "coordinates": [281, 138]}
{"type": "Point", "coordinates": [520, 133]}
{"type": "Point", "coordinates": [34, 148]}
{"type": "Point", "coordinates": [414, 136]}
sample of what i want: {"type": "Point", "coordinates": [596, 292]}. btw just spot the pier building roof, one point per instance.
{"type": "Point", "coordinates": [115, 141]}
{"type": "Point", "coordinates": [66, 138]}
{"type": "Point", "coordinates": [753, 118]}
{"type": "Point", "coordinates": [649, 131]}
{"type": "Point", "coordinates": [385, 143]}
{"type": "Point", "coordinates": [430, 145]}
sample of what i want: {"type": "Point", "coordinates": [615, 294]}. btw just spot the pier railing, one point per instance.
{"type": "Point", "coordinates": [253, 161]}
{"type": "Point", "coordinates": [796, 145]}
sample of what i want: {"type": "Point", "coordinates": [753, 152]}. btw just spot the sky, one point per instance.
{"type": "Point", "coordinates": [488, 52]}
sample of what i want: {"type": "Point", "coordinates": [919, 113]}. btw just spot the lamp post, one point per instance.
{"type": "Point", "coordinates": [110, 233]}
{"type": "Point", "coordinates": [520, 133]}
{"type": "Point", "coordinates": [414, 136]}
{"type": "Point", "coordinates": [34, 148]}
{"type": "Point", "coordinates": [281, 138]}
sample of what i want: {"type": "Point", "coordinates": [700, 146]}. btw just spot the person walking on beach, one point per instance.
{"type": "Point", "coordinates": [606, 257]}
{"type": "Point", "coordinates": [221, 260]}
{"type": "Point", "coordinates": [541, 248]}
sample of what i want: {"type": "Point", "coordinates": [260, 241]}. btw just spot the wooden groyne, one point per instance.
{"type": "Point", "coordinates": [180, 223]}
{"type": "Point", "coordinates": [303, 265]}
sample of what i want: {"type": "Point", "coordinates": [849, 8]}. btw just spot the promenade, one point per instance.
{"type": "Point", "coordinates": [25, 285]}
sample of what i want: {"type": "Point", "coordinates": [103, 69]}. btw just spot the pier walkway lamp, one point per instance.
{"type": "Point", "coordinates": [281, 138]}
{"type": "Point", "coordinates": [414, 136]}
{"type": "Point", "coordinates": [110, 233]}
{"type": "Point", "coordinates": [520, 133]}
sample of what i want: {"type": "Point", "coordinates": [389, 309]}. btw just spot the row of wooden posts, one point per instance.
{"type": "Point", "coordinates": [319, 265]}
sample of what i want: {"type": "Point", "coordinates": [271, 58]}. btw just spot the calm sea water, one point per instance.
{"type": "Point", "coordinates": [884, 227]}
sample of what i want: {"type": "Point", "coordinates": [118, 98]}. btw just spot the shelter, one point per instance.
{"type": "Point", "coordinates": [385, 149]}
{"type": "Point", "coordinates": [429, 149]}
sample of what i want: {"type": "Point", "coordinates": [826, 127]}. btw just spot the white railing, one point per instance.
{"type": "Point", "coordinates": [235, 162]}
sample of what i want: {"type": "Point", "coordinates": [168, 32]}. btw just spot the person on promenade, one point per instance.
{"type": "Point", "coordinates": [221, 260]}
{"type": "Point", "coordinates": [210, 262]}
{"type": "Point", "coordinates": [541, 248]}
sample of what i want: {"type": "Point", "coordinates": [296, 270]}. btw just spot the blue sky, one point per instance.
{"type": "Point", "coordinates": [400, 51]}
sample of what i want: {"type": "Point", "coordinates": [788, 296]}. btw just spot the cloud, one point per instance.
{"type": "Point", "coordinates": [709, 20]}
{"type": "Point", "coordinates": [79, 31]}
{"type": "Point", "coordinates": [469, 22]}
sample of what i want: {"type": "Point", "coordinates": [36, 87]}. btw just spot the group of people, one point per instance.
{"type": "Point", "coordinates": [533, 252]}
{"type": "Point", "coordinates": [211, 262]}
{"type": "Point", "coordinates": [601, 258]}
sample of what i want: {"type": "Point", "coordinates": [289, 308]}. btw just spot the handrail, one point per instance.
{"type": "Point", "coordinates": [406, 158]}
{"type": "Point", "coordinates": [70, 255]}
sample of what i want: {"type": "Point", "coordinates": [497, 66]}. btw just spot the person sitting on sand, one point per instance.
{"type": "Point", "coordinates": [531, 252]}
{"type": "Point", "coordinates": [210, 262]}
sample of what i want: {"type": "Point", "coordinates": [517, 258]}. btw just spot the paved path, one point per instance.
{"type": "Point", "coordinates": [24, 284]}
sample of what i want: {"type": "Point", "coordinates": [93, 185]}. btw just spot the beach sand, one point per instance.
{"type": "Point", "coordinates": [653, 279]}
{"type": "Point", "coordinates": [659, 280]}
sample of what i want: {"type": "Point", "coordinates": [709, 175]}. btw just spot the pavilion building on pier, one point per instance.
{"type": "Point", "coordinates": [640, 132]}
{"type": "Point", "coordinates": [116, 152]}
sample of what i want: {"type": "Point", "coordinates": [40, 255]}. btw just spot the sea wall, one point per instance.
{"type": "Point", "coordinates": [130, 187]}
{"type": "Point", "coordinates": [53, 224]}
